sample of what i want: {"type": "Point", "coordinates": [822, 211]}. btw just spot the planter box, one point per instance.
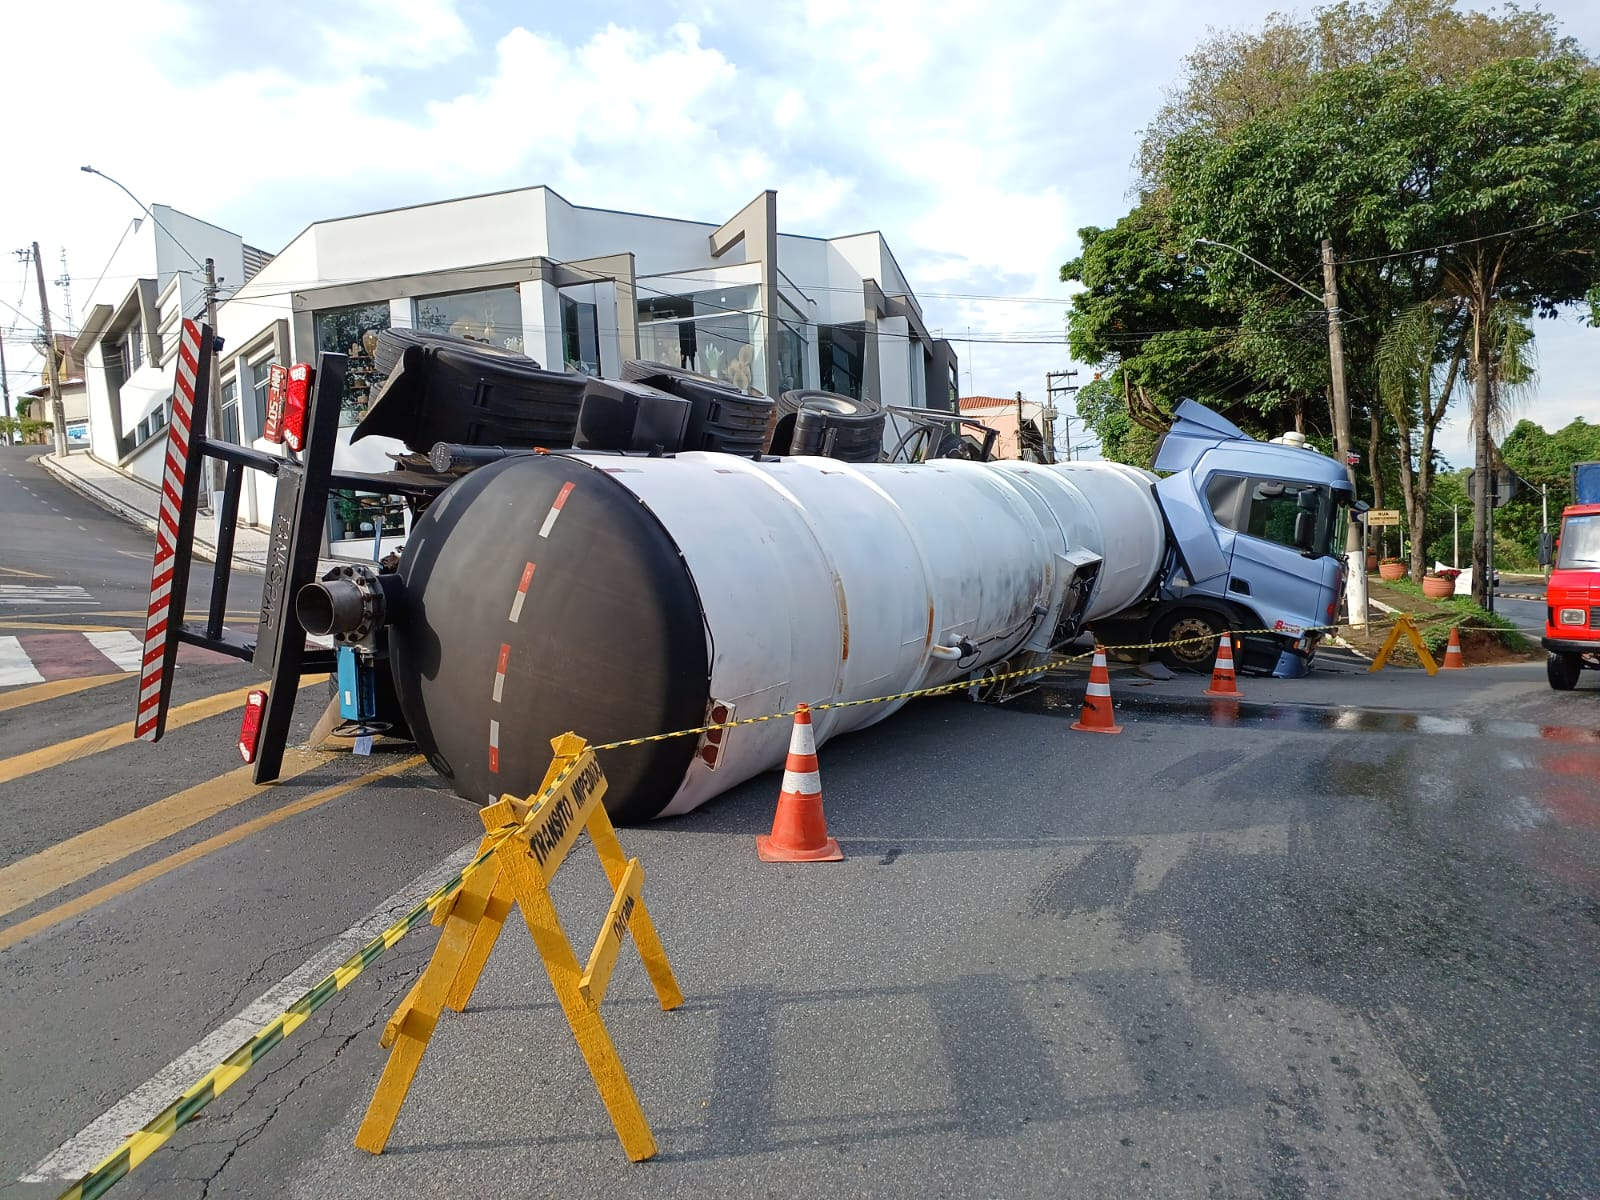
{"type": "Point", "coordinates": [1392, 571]}
{"type": "Point", "coordinates": [1436, 587]}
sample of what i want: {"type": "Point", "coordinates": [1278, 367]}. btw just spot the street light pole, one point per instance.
{"type": "Point", "coordinates": [214, 400]}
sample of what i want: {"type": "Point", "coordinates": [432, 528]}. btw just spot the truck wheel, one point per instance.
{"type": "Point", "coordinates": [1197, 632]}
{"type": "Point", "coordinates": [1563, 670]}
{"type": "Point", "coordinates": [806, 417]}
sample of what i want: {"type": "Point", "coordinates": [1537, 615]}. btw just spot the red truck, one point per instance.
{"type": "Point", "coordinates": [1572, 600]}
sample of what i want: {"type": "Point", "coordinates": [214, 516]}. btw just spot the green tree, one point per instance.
{"type": "Point", "coordinates": [1234, 77]}
{"type": "Point", "coordinates": [1543, 460]}
{"type": "Point", "coordinates": [1153, 316]}
{"type": "Point", "coordinates": [1103, 409]}
{"type": "Point", "coordinates": [1420, 358]}
{"type": "Point", "coordinates": [1485, 191]}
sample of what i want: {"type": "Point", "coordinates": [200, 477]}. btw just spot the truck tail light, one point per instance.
{"type": "Point", "coordinates": [277, 387]}
{"type": "Point", "coordinates": [711, 741]}
{"type": "Point", "coordinates": [296, 400]}
{"type": "Point", "coordinates": [250, 725]}
{"type": "Point", "coordinates": [1573, 616]}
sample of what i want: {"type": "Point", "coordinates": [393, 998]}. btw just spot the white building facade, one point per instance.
{"type": "Point", "coordinates": [580, 289]}
{"type": "Point", "coordinates": [129, 339]}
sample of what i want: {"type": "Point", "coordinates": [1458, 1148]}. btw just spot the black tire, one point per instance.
{"type": "Point", "coordinates": [810, 421]}
{"type": "Point", "coordinates": [721, 418]}
{"type": "Point", "coordinates": [1185, 625]}
{"type": "Point", "coordinates": [445, 389]}
{"type": "Point", "coordinates": [1563, 670]}
{"type": "Point", "coordinates": [954, 445]}
{"type": "Point", "coordinates": [392, 345]}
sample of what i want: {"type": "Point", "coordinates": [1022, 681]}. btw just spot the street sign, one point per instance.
{"type": "Point", "coordinates": [1352, 459]}
{"type": "Point", "coordinates": [1383, 516]}
{"type": "Point", "coordinates": [1505, 484]}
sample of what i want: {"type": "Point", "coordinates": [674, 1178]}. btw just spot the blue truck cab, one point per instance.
{"type": "Point", "coordinates": [1255, 536]}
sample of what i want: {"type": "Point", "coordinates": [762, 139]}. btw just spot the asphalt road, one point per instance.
{"type": "Point", "coordinates": [1339, 938]}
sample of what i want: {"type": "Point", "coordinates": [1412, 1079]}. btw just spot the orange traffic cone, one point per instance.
{"type": "Point", "coordinates": [1452, 653]}
{"type": "Point", "coordinates": [1222, 674]}
{"type": "Point", "coordinates": [1097, 716]}
{"type": "Point", "coordinates": [799, 830]}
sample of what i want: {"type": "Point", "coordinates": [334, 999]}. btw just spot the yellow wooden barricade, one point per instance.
{"type": "Point", "coordinates": [1404, 624]}
{"type": "Point", "coordinates": [519, 875]}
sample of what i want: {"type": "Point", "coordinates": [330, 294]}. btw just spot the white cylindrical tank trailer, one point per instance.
{"type": "Point", "coordinates": [626, 596]}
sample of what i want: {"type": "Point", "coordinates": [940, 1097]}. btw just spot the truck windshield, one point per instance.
{"type": "Point", "coordinates": [1580, 542]}
{"type": "Point", "coordinates": [1303, 516]}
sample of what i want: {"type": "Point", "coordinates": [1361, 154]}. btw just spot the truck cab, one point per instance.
{"type": "Point", "coordinates": [1256, 533]}
{"type": "Point", "coordinates": [1572, 599]}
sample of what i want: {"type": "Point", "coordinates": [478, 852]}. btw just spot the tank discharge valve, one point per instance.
{"type": "Point", "coordinates": [349, 603]}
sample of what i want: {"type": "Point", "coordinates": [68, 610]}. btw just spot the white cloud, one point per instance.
{"type": "Point", "coordinates": [406, 34]}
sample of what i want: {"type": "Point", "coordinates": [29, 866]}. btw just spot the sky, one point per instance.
{"type": "Point", "coordinates": [978, 137]}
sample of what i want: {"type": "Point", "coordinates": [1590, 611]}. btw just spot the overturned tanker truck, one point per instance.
{"type": "Point", "coordinates": [625, 585]}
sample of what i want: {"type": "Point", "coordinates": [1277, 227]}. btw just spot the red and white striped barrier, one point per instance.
{"type": "Point", "coordinates": [158, 632]}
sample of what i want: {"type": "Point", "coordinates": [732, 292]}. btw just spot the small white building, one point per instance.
{"type": "Point", "coordinates": [581, 289]}
{"type": "Point", "coordinates": [129, 339]}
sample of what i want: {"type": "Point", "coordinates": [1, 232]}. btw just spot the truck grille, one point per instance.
{"type": "Point", "coordinates": [1594, 618]}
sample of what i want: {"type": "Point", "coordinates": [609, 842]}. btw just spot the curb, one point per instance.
{"type": "Point", "coordinates": [134, 516]}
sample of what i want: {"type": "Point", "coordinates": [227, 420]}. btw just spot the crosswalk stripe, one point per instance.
{"type": "Point", "coordinates": [22, 594]}
{"type": "Point", "coordinates": [57, 652]}
{"type": "Point", "coordinates": [15, 665]}
{"type": "Point", "coordinates": [121, 647]}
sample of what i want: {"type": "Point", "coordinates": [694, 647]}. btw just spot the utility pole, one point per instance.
{"type": "Point", "coordinates": [5, 391]}
{"type": "Point", "coordinates": [65, 284]}
{"type": "Point", "coordinates": [1019, 426]}
{"type": "Point", "coordinates": [214, 400]}
{"type": "Point", "coordinates": [1356, 587]}
{"type": "Point", "coordinates": [57, 412]}
{"type": "Point", "coordinates": [1051, 390]}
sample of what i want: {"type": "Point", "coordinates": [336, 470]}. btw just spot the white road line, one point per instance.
{"type": "Point", "coordinates": [15, 665]}
{"type": "Point", "coordinates": [29, 594]}
{"type": "Point", "coordinates": [95, 1142]}
{"type": "Point", "coordinates": [120, 646]}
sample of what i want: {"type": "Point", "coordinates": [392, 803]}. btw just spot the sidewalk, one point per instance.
{"type": "Point", "coordinates": [136, 501]}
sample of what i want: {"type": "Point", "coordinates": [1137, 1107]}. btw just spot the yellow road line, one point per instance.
{"type": "Point", "coordinates": [120, 735]}
{"type": "Point", "coordinates": [19, 572]}
{"type": "Point", "coordinates": [118, 887]}
{"type": "Point", "coordinates": [78, 857]}
{"type": "Point", "coordinates": [41, 692]}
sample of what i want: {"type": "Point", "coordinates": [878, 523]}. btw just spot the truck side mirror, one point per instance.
{"type": "Point", "coordinates": [1305, 530]}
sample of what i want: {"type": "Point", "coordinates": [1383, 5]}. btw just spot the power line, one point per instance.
{"type": "Point", "coordinates": [1488, 237]}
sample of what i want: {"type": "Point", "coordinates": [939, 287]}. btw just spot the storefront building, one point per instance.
{"type": "Point", "coordinates": [579, 289]}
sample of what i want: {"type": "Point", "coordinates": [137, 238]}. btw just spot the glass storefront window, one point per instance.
{"type": "Point", "coordinates": [791, 357]}
{"type": "Point", "coordinates": [842, 350]}
{"type": "Point", "coordinates": [258, 393]}
{"type": "Point", "coordinates": [712, 332]}
{"type": "Point", "coordinates": [230, 411]}
{"type": "Point", "coordinates": [357, 514]}
{"type": "Point", "coordinates": [580, 336]}
{"type": "Point", "coordinates": [492, 316]}
{"type": "Point", "coordinates": [353, 330]}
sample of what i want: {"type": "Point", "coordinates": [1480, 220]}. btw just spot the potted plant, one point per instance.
{"type": "Point", "coordinates": [1391, 568]}
{"type": "Point", "coordinates": [1440, 584]}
